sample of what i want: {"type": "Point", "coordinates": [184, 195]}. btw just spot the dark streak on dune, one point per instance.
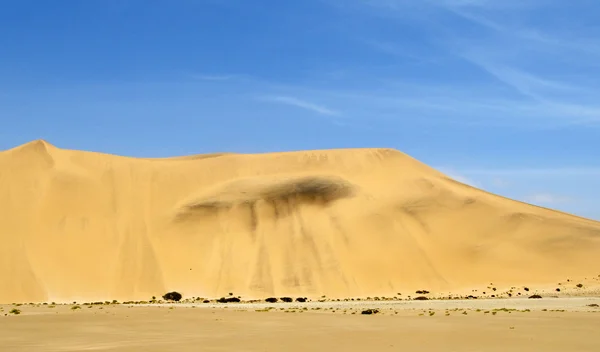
{"type": "Point", "coordinates": [313, 190]}
{"type": "Point", "coordinates": [338, 227]}
{"type": "Point", "coordinates": [253, 220]}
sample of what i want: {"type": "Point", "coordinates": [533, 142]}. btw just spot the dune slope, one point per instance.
{"type": "Point", "coordinates": [79, 225]}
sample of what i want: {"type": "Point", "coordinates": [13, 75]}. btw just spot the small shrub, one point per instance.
{"type": "Point", "coordinates": [593, 305]}
{"type": "Point", "coordinates": [206, 301]}
{"type": "Point", "coordinates": [172, 296]}
{"type": "Point", "coordinates": [370, 311]}
{"type": "Point", "coordinates": [271, 300]}
{"type": "Point", "coordinates": [15, 311]}
{"type": "Point", "coordinates": [228, 300]}
{"type": "Point", "coordinates": [287, 299]}
{"type": "Point", "coordinates": [421, 298]}
{"type": "Point", "coordinates": [75, 307]}
{"type": "Point", "coordinates": [558, 290]}
{"type": "Point", "coordinates": [301, 299]}
{"type": "Point", "coordinates": [579, 285]}
{"type": "Point", "coordinates": [535, 297]}
{"type": "Point", "coordinates": [526, 289]}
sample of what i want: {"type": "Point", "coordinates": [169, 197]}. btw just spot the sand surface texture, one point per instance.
{"type": "Point", "coordinates": [87, 226]}
{"type": "Point", "coordinates": [564, 325]}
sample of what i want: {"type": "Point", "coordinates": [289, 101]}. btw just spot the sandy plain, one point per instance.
{"type": "Point", "coordinates": [553, 324]}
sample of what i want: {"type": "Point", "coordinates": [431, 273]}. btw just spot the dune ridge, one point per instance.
{"type": "Point", "coordinates": [79, 225]}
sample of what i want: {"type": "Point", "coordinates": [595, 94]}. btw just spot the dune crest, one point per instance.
{"type": "Point", "coordinates": [80, 225]}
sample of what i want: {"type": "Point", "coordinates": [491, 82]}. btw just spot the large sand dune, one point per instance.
{"type": "Point", "coordinates": [79, 225]}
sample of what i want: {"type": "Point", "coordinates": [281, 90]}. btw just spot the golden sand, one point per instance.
{"type": "Point", "coordinates": [121, 328]}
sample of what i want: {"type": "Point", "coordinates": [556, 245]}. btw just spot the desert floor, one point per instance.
{"type": "Point", "coordinates": [549, 324]}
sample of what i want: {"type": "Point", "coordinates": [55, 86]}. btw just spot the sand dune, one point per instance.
{"type": "Point", "coordinates": [79, 225]}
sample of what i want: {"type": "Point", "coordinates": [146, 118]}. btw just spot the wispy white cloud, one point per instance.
{"type": "Point", "coordinates": [302, 104]}
{"type": "Point", "coordinates": [401, 52]}
{"type": "Point", "coordinates": [549, 98]}
{"type": "Point", "coordinates": [491, 15]}
{"type": "Point", "coordinates": [423, 103]}
{"type": "Point", "coordinates": [546, 199]}
{"type": "Point", "coordinates": [460, 177]}
{"type": "Point", "coordinates": [499, 89]}
{"type": "Point", "coordinates": [537, 172]}
{"type": "Point", "coordinates": [541, 63]}
{"type": "Point", "coordinates": [499, 182]}
{"type": "Point", "coordinates": [523, 82]}
{"type": "Point", "coordinates": [567, 189]}
{"type": "Point", "coordinates": [464, 180]}
{"type": "Point", "coordinates": [489, 4]}
{"type": "Point", "coordinates": [213, 77]}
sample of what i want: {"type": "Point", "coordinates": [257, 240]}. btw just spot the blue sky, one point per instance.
{"type": "Point", "coordinates": [500, 94]}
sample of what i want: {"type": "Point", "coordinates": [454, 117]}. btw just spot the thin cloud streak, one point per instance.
{"type": "Point", "coordinates": [553, 97]}
{"type": "Point", "coordinates": [460, 177]}
{"type": "Point", "coordinates": [299, 103]}
{"type": "Point", "coordinates": [546, 198]}
{"type": "Point", "coordinates": [583, 171]}
{"type": "Point", "coordinates": [214, 77]}
{"type": "Point", "coordinates": [546, 101]}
